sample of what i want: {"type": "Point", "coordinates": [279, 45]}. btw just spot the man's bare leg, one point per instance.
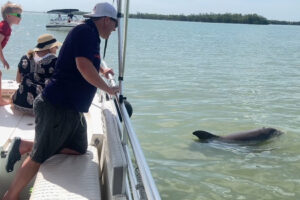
{"type": "Point", "coordinates": [69, 151]}
{"type": "Point", "coordinates": [28, 170]}
{"type": "Point", "coordinates": [26, 147]}
{"type": "Point", "coordinates": [25, 173]}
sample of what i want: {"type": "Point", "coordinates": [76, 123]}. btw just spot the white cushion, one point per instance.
{"type": "Point", "coordinates": [68, 177]}
{"type": "Point", "coordinates": [113, 160]}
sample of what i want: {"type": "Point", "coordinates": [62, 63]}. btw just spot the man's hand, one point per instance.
{"type": "Point", "coordinates": [106, 71]}
{"type": "Point", "coordinates": [114, 90]}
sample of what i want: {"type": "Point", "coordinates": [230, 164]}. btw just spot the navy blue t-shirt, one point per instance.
{"type": "Point", "coordinates": [68, 89]}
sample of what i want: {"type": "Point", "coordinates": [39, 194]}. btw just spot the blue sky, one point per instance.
{"type": "Point", "coordinates": [272, 9]}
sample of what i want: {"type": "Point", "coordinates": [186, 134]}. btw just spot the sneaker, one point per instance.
{"type": "Point", "coordinates": [13, 154]}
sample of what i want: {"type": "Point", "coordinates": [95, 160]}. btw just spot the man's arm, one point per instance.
{"type": "Point", "coordinates": [6, 65]}
{"type": "Point", "coordinates": [90, 74]}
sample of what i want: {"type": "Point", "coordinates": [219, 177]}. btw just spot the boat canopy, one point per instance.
{"type": "Point", "coordinates": [63, 11]}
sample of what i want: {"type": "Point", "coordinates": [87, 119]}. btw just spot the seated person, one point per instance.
{"type": "Point", "coordinates": [34, 70]}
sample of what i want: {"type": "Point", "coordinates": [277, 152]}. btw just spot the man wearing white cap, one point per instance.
{"type": "Point", "coordinates": [60, 124]}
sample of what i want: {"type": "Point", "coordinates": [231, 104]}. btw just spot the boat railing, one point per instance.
{"type": "Point", "coordinates": [140, 183]}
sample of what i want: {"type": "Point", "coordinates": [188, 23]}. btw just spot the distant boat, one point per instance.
{"type": "Point", "coordinates": [66, 19]}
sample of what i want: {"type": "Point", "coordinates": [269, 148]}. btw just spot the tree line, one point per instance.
{"type": "Point", "coordinates": [214, 18]}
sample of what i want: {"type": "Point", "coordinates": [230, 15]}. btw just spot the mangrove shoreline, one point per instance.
{"type": "Point", "coordinates": [215, 18]}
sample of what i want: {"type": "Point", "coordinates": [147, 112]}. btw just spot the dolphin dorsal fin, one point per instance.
{"type": "Point", "coordinates": [204, 135]}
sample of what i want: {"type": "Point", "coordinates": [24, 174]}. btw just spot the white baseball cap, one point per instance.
{"type": "Point", "coordinates": [103, 10]}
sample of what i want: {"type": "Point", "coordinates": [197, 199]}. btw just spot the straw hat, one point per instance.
{"type": "Point", "coordinates": [46, 41]}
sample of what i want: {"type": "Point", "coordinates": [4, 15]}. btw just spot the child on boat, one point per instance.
{"type": "Point", "coordinates": [34, 72]}
{"type": "Point", "coordinates": [11, 14]}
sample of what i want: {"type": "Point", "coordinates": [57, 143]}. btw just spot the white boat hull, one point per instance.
{"type": "Point", "coordinates": [62, 25]}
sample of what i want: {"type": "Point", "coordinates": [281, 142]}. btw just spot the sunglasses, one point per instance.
{"type": "Point", "coordinates": [15, 14]}
{"type": "Point", "coordinates": [116, 21]}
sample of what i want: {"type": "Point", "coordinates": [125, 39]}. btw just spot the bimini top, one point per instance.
{"type": "Point", "coordinates": [63, 11]}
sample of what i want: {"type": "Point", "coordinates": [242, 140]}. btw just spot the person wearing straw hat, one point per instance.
{"type": "Point", "coordinates": [34, 71]}
{"type": "Point", "coordinates": [60, 123]}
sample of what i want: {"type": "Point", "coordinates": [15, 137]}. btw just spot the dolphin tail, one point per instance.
{"type": "Point", "coordinates": [203, 135]}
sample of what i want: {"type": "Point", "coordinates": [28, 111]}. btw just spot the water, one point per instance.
{"type": "Point", "coordinates": [222, 78]}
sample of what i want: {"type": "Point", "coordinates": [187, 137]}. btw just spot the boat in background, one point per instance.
{"type": "Point", "coordinates": [65, 19]}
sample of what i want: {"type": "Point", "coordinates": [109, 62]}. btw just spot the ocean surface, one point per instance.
{"type": "Point", "coordinates": [221, 78]}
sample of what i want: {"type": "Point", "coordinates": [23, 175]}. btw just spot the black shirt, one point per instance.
{"type": "Point", "coordinates": [68, 88]}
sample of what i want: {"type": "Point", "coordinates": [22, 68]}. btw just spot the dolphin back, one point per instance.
{"type": "Point", "coordinates": [261, 134]}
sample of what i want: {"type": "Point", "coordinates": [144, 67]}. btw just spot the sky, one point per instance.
{"type": "Point", "coordinates": [288, 10]}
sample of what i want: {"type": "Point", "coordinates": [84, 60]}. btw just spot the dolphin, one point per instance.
{"type": "Point", "coordinates": [257, 135]}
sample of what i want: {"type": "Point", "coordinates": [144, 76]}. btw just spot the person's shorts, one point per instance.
{"type": "Point", "coordinates": [56, 129]}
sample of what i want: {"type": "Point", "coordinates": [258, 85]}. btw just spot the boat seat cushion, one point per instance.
{"type": "Point", "coordinates": [113, 160]}
{"type": "Point", "coordinates": [68, 177]}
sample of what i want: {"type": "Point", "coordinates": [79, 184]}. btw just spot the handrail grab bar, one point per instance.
{"type": "Point", "coordinates": [147, 179]}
